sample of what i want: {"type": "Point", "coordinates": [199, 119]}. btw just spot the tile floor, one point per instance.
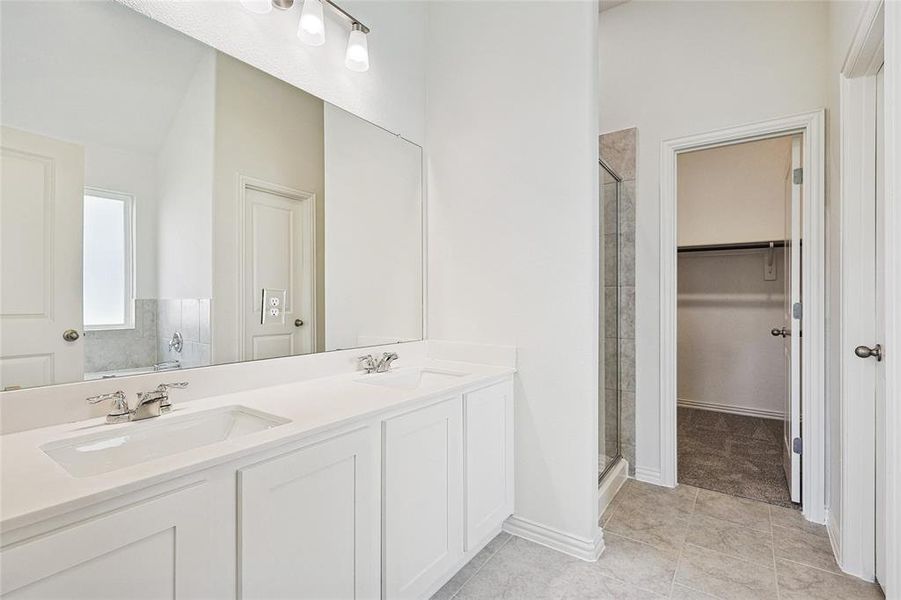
{"type": "Point", "coordinates": [734, 454]}
{"type": "Point", "coordinates": [685, 543]}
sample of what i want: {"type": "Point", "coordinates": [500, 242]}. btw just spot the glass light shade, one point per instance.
{"type": "Point", "coordinates": [311, 29]}
{"type": "Point", "coordinates": [260, 7]}
{"type": "Point", "coordinates": [357, 56]}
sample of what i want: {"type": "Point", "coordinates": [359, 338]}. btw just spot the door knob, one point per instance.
{"type": "Point", "coordinates": [776, 332]}
{"type": "Point", "coordinates": [867, 352]}
{"type": "Point", "coordinates": [298, 322]}
{"type": "Point", "coordinates": [70, 335]}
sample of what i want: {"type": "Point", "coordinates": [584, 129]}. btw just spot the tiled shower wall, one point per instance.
{"type": "Point", "coordinates": [148, 343]}
{"type": "Point", "coordinates": [617, 148]}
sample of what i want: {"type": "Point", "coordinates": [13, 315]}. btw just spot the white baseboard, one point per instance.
{"type": "Point", "coordinates": [735, 410]}
{"type": "Point", "coordinates": [587, 550]}
{"type": "Point", "coordinates": [647, 475]}
{"type": "Point", "coordinates": [835, 537]}
{"type": "Point", "coordinates": [611, 484]}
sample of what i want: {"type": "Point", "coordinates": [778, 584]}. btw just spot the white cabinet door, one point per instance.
{"type": "Point", "coordinates": [308, 522]}
{"type": "Point", "coordinates": [488, 426]}
{"type": "Point", "coordinates": [160, 548]}
{"type": "Point", "coordinates": [422, 498]}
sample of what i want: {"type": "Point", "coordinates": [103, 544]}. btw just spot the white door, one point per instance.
{"type": "Point", "coordinates": [309, 522]}
{"type": "Point", "coordinates": [880, 328]}
{"type": "Point", "coordinates": [161, 548]}
{"type": "Point", "coordinates": [422, 498]}
{"type": "Point", "coordinates": [278, 257]}
{"type": "Point", "coordinates": [41, 204]}
{"type": "Point", "coordinates": [791, 333]}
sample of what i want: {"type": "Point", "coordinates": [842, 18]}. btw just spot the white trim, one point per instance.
{"type": "Point", "coordinates": [747, 411]}
{"type": "Point", "coordinates": [588, 550]}
{"type": "Point", "coordinates": [834, 533]}
{"type": "Point", "coordinates": [309, 198]}
{"type": "Point", "coordinates": [128, 200]}
{"type": "Point", "coordinates": [812, 126]}
{"type": "Point", "coordinates": [892, 253]}
{"type": "Point", "coordinates": [652, 476]}
{"type": "Point", "coordinates": [611, 483]}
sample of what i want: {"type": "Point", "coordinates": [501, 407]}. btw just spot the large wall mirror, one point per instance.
{"type": "Point", "coordinates": [166, 206]}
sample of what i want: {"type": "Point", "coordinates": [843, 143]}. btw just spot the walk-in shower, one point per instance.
{"type": "Point", "coordinates": [609, 397]}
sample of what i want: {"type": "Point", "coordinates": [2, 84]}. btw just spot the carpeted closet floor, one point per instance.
{"type": "Point", "coordinates": [732, 454]}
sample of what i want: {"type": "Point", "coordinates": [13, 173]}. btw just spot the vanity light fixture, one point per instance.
{"type": "Point", "coordinates": [311, 29]}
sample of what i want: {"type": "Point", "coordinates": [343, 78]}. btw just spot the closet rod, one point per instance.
{"type": "Point", "coordinates": [739, 246]}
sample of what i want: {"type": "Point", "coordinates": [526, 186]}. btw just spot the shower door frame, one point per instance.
{"type": "Point", "coordinates": [811, 126]}
{"type": "Point", "coordinates": [610, 464]}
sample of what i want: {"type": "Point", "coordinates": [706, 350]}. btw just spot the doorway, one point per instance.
{"type": "Point", "coordinates": [811, 355]}
{"type": "Point", "coordinates": [739, 318]}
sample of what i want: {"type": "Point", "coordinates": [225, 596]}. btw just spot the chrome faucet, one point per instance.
{"type": "Point", "coordinates": [383, 365]}
{"type": "Point", "coordinates": [377, 365]}
{"type": "Point", "coordinates": [150, 404]}
{"type": "Point", "coordinates": [155, 402]}
{"type": "Point", "coordinates": [120, 412]}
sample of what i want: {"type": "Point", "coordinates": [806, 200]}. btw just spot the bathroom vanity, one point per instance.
{"type": "Point", "coordinates": [349, 486]}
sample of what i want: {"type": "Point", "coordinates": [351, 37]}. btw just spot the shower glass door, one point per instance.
{"type": "Point", "coordinates": [609, 396]}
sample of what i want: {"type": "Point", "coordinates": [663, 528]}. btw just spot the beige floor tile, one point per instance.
{"type": "Point", "coordinates": [725, 577]}
{"type": "Point", "coordinates": [811, 549]}
{"type": "Point", "coordinates": [585, 581]}
{"type": "Point", "coordinates": [681, 592]}
{"type": "Point", "coordinates": [471, 568]}
{"type": "Point", "coordinates": [799, 582]}
{"type": "Point", "coordinates": [637, 564]}
{"type": "Point", "coordinates": [732, 539]}
{"type": "Point", "coordinates": [678, 499]}
{"type": "Point", "coordinates": [744, 512]}
{"type": "Point", "coordinates": [519, 569]}
{"type": "Point", "coordinates": [640, 522]}
{"type": "Point", "coordinates": [793, 519]}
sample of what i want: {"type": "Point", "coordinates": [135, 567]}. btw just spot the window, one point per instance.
{"type": "Point", "coordinates": [108, 260]}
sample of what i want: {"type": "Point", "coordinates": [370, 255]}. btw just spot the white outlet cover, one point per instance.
{"type": "Point", "coordinates": [272, 302]}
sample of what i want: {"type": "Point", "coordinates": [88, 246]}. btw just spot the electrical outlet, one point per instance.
{"type": "Point", "coordinates": [273, 303]}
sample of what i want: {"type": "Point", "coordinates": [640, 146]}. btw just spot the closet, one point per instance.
{"type": "Point", "coordinates": [738, 284]}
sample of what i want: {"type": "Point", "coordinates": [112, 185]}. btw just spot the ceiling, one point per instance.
{"type": "Point", "coordinates": [92, 72]}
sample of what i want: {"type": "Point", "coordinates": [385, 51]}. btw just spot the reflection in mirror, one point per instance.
{"type": "Point", "coordinates": [166, 206]}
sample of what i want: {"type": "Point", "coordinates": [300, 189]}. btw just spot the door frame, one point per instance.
{"type": "Point", "coordinates": [853, 532]}
{"type": "Point", "coordinates": [892, 274]}
{"type": "Point", "coordinates": [307, 200]}
{"type": "Point", "coordinates": [813, 351]}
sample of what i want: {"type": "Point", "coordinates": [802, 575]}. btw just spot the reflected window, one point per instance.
{"type": "Point", "coordinates": [108, 260]}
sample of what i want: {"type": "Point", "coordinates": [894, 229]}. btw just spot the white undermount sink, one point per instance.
{"type": "Point", "coordinates": [412, 379]}
{"type": "Point", "coordinates": [141, 441]}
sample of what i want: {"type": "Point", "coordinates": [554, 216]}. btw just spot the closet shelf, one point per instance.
{"type": "Point", "coordinates": [738, 246]}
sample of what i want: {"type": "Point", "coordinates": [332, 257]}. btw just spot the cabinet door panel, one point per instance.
{"type": "Point", "coordinates": [422, 502]}
{"type": "Point", "coordinates": [155, 549]}
{"type": "Point", "coordinates": [309, 522]}
{"type": "Point", "coordinates": [489, 460]}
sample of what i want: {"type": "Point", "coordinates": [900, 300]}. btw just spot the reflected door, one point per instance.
{"type": "Point", "coordinates": [41, 196]}
{"type": "Point", "coordinates": [277, 272]}
{"type": "Point", "coordinates": [880, 328]}
{"type": "Point", "coordinates": [792, 325]}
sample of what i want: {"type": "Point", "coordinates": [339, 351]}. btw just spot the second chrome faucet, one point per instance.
{"type": "Point", "coordinates": [150, 404]}
{"type": "Point", "coordinates": [377, 365]}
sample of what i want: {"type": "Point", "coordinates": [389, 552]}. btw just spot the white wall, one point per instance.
{"type": "Point", "coordinates": [733, 193]}
{"type": "Point", "coordinates": [679, 68]}
{"type": "Point", "coordinates": [843, 18]}
{"type": "Point", "coordinates": [513, 227]}
{"type": "Point", "coordinates": [373, 234]}
{"type": "Point", "coordinates": [391, 94]}
{"type": "Point", "coordinates": [727, 357]}
{"type": "Point", "coordinates": [185, 186]}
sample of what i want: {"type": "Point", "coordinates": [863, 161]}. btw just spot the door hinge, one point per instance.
{"type": "Point", "coordinates": [797, 311]}
{"type": "Point", "coordinates": [798, 176]}
{"type": "Point", "coordinates": [797, 446]}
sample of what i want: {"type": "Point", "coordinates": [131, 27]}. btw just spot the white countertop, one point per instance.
{"type": "Point", "coordinates": [34, 487]}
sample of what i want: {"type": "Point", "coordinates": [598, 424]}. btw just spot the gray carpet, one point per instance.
{"type": "Point", "coordinates": [732, 454]}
